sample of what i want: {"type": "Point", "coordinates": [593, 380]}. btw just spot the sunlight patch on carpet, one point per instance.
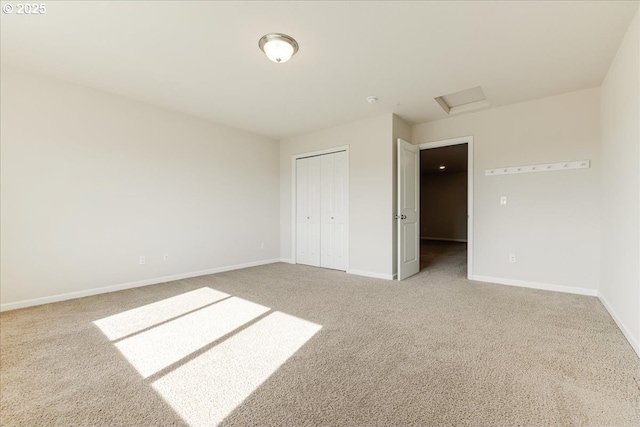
{"type": "Point", "coordinates": [153, 350]}
{"type": "Point", "coordinates": [160, 338]}
{"type": "Point", "coordinates": [132, 321]}
{"type": "Point", "coordinates": [208, 388]}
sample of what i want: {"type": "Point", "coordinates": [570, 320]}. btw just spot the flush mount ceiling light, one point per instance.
{"type": "Point", "coordinates": [278, 47]}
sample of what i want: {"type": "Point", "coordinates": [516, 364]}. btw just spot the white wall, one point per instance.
{"type": "Point", "coordinates": [620, 113]}
{"type": "Point", "coordinates": [370, 191]}
{"type": "Point", "coordinates": [551, 221]}
{"type": "Point", "coordinates": [90, 181]}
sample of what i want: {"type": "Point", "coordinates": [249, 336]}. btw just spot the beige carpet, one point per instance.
{"type": "Point", "coordinates": [297, 346]}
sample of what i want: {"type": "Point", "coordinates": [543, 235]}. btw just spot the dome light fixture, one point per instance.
{"type": "Point", "coordinates": [278, 47]}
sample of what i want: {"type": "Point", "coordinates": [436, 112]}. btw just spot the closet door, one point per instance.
{"type": "Point", "coordinates": [334, 204]}
{"type": "Point", "coordinates": [308, 211]}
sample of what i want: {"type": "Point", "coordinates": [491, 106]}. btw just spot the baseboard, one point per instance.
{"type": "Point", "coordinates": [625, 331]}
{"type": "Point", "coordinates": [137, 284]}
{"type": "Point", "coordinates": [287, 260]}
{"type": "Point", "coordinates": [535, 285]}
{"type": "Point", "coordinates": [371, 274]}
{"type": "Point", "coordinates": [443, 239]}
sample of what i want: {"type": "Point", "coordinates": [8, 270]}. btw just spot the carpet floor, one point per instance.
{"type": "Point", "coordinates": [291, 345]}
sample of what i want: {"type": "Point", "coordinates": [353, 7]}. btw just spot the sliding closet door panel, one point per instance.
{"type": "Point", "coordinates": [302, 174]}
{"type": "Point", "coordinates": [308, 211]}
{"type": "Point", "coordinates": [334, 210]}
{"type": "Point", "coordinates": [326, 228]}
{"type": "Point", "coordinates": [341, 210]}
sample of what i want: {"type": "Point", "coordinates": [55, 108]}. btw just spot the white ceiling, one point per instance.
{"type": "Point", "coordinates": [202, 58]}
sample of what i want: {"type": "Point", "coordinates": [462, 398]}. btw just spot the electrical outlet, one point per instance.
{"type": "Point", "coordinates": [512, 257]}
{"type": "Point", "coordinates": [142, 259]}
{"type": "Point", "coordinates": [166, 257]}
{"type": "Point", "coordinates": [262, 245]}
{"type": "Point", "coordinates": [503, 200]}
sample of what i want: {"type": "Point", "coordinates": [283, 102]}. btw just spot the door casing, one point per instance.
{"type": "Point", "coordinates": [294, 204]}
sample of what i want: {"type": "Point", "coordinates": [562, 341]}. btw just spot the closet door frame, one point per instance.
{"type": "Point", "coordinates": [294, 202]}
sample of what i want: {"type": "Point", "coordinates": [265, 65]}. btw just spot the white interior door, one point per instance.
{"type": "Point", "coordinates": [408, 217]}
{"type": "Point", "coordinates": [308, 211]}
{"type": "Point", "coordinates": [334, 210]}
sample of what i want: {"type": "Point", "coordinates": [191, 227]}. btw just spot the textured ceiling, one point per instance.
{"type": "Point", "coordinates": [202, 58]}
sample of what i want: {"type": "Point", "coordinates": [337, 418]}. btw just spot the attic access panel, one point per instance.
{"type": "Point", "coordinates": [465, 100]}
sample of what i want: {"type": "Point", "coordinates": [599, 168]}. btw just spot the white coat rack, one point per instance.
{"type": "Point", "coordinates": [548, 167]}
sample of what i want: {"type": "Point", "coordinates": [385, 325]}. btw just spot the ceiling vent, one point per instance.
{"type": "Point", "coordinates": [462, 101]}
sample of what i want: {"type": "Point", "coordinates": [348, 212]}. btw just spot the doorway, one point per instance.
{"type": "Point", "coordinates": [446, 204]}
{"type": "Point", "coordinates": [443, 208]}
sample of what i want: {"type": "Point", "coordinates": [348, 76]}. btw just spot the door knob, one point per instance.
{"type": "Point", "coordinates": [403, 217]}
